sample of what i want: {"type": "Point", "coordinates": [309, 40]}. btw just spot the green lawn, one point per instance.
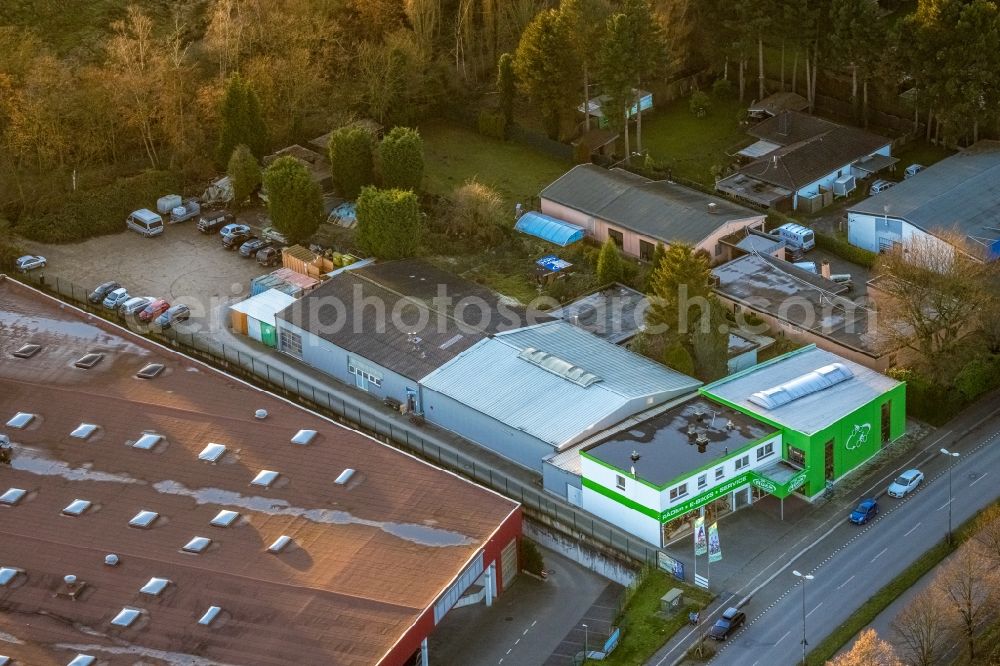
{"type": "Point", "coordinates": [643, 630]}
{"type": "Point", "coordinates": [454, 154]}
{"type": "Point", "coordinates": [920, 152]}
{"type": "Point", "coordinates": [691, 146]}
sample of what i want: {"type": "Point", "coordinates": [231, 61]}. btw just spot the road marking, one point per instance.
{"type": "Point", "coordinates": [783, 637]}
{"type": "Point", "coordinates": [534, 623]}
{"type": "Point", "coordinates": [846, 582]}
{"type": "Point", "coordinates": [910, 532]}
{"type": "Point", "coordinates": [814, 609]}
{"type": "Point", "coordinates": [508, 651]}
{"type": "Point", "coordinates": [880, 554]}
{"type": "Point", "coordinates": [979, 479]}
{"type": "Point", "coordinates": [501, 660]}
{"type": "Point", "coordinates": [945, 504]}
{"type": "Point", "coordinates": [517, 641]}
{"type": "Point", "coordinates": [525, 632]}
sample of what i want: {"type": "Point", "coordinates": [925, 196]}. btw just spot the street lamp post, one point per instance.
{"type": "Point", "coordinates": [952, 454]}
{"type": "Point", "coordinates": [586, 645]}
{"type": "Point", "coordinates": [804, 578]}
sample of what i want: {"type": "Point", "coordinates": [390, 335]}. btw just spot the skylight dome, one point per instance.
{"type": "Point", "coordinates": [801, 386]}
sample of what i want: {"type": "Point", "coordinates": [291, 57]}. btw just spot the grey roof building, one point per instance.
{"type": "Point", "coordinates": [616, 312]}
{"type": "Point", "coordinates": [660, 210]}
{"type": "Point", "coordinates": [960, 194]}
{"type": "Point", "coordinates": [534, 391]}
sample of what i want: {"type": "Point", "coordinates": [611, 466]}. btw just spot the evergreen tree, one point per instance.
{"type": "Point", "coordinates": [677, 357]}
{"type": "Point", "coordinates": [244, 174]}
{"type": "Point", "coordinates": [294, 199]}
{"type": "Point", "coordinates": [681, 275]}
{"type": "Point", "coordinates": [585, 21]}
{"type": "Point", "coordinates": [609, 264]}
{"type": "Point", "coordinates": [351, 160]}
{"type": "Point", "coordinates": [506, 87]}
{"type": "Point", "coordinates": [710, 342]}
{"type": "Point", "coordinates": [389, 222]}
{"type": "Point", "coordinates": [401, 159]}
{"type": "Point", "coordinates": [544, 68]}
{"type": "Point", "coordinates": [241, 121]}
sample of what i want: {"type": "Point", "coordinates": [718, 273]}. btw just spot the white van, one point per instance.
{"type": "Point", "coordinates": [145, 222]}
{"type": "Point", "coordinates": [796, 236]}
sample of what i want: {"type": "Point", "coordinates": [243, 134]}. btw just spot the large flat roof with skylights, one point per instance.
{"type": "Point", "coordinates": [307, 571]}
{"type": "Point", "coordinates": [805, 390]}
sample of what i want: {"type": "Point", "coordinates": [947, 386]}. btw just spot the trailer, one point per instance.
{"type": "Point", "coordinates": [187, 210]}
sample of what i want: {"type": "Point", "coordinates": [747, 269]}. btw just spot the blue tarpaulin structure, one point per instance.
{"type": "Point", "coordinates": [549, 228]}
{"type": "Point", "coordinates": [552, 263]}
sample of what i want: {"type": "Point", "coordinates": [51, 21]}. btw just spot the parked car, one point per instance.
{"type": "Point", "coordinates": [187, 210]}
{"type": "Point", "coordinates": [134, 305]}
{"type": "Point", "coordinates": [865, 512]}
{"type": "Point", "coordinates": [730, 621]}
{"type": "Point", "coordinates": [213, 221]}
{"type": "Point", "coordinates": [796, 236]}
{"type": "Point", "coordinates": [269, 256]}
{"type": "Point", "coordinates": [880, 186]}
{"type": "Point", "coordinates": [102, 290]}
{"type": "Point", "coordinates": [233, 241]}
{"type": "Point", "coordinates": [253, 246]}
{"type": "Point", "coordinates": [115, 298]}
{"type": "Point", "coordinates": [153, 310]}
{"type": "Point", "coordinates": [234, 228]}
{"type": "Point", "coordinates": [272, 234]}
{"type": "Point", "coordinates": [30, 262]}
{"type": "Point", "coordinates": [172, 315]}
{"type": "Point", "coordinates": [906, 482]}
{"type": "Point", "coordinates": [145, 222]}
{"type": "Point", "coordinates": [912, 170]}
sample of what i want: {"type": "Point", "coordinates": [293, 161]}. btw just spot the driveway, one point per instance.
{"type": "Point", "coordinates": [181, 265]}
{"type": "Point", "coordinates": [528, 623]}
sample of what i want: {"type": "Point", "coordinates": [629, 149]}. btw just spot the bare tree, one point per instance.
{"type": "Point", "coordinates": [987, 534]}
{"type": "Point", "coordinates": [868, 650]}
{"type": "Point", "coordinates": [969, 585]}
{"type": "Point", "coordinates": [933, 294]}
{"type": "Point", "coordinates": [923, 628]}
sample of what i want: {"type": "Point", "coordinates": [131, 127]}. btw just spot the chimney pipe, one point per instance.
{"type": "Point", "coordinates": [825, 269]}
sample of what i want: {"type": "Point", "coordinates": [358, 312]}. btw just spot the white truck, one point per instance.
{"type": "Point", "coordinates": [187, 210]}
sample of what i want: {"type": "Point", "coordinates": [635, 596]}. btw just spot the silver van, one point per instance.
{"type": "Point", "coordinates": [796, 236]}
{"type": "Point", "coordinates": [145, 222]}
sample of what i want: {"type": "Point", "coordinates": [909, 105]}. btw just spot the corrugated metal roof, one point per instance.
{"type": "Point", "coordinates": [961, 191]}
{"type": "Point", "coordinates": [491, 378]}
{"type": "Point", "coordinates": [660, 209]}
{"type": "Point", "coordinates": [810, 413]}
{"type": "Point", "coordinates": [265, 305]}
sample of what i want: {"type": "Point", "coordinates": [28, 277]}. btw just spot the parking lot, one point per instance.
{"type": "Point", "coordinates": [180, 265]}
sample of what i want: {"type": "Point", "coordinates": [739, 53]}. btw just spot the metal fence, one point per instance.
{"type": "Point", "coordinates": [537, 504]}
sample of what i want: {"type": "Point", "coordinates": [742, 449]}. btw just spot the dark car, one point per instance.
{"type": "Point", "coordinates": [234, 240]}
{"type": "Point", "coordinates": [172, 315]}
{"type": "Point", "coordinates": [730, 621]}
{"type": "Point", "coordinates": [153, 310]}
{"type": "Point", "coordinates": [865, 512]}
{"type": "Point", "coordinates": [253, 246]}
{"type": "Point", "coordinates": [213, 221]}
{"type": "Point", "coordinates": [102, 290]}
{"type": "Point", "coordinates": [269, 256]}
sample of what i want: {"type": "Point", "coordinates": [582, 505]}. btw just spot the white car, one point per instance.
{"type": "Point", "coordinates": [116, 298]}
{"type": "Point", "coordinates": [30, 262]}
{"type": "Point", "coordinates": [906, 482]}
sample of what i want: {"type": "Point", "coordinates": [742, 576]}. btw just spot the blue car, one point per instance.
{"type": "Point", "coordinates": [865, 512]}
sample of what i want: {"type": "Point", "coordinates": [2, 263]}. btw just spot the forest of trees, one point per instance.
{"type": "Point", "coordinates": [119, 89]}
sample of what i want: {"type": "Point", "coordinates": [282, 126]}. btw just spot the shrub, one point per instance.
{"type": "Point", "coordinates": [978, 376]}
{"type": "Point", "coordinates": [99, 211]}
{"type": "Point", "coordinates": [610, 267]}
{"type": "Point", "coordinates": [294, 200]}
{"type": "Point", "coordinates": [840, 247]}
{"type": "Point", "coordinates": [492, 124]}
{"type": "Point", "coordinates": [390, 223]}
{"type": "Point", "coordinates": [531, 558]}
{"type": "Point", "coordinates": [700, 103]}
{"type": "Point", "coordinates": [401, 159]}
{"type": "Point", "coordinates": [927, 400]}
{"type": "Point", "coordinates": [244, 173]}
{"type": "Point", "coordinates": [9, 249]}
{"type": "Point", "coordinates": [351, 160]}
{"type": "Point", "coordinates": [722, 88]}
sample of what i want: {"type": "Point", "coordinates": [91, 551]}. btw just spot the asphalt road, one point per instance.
{"type": "Point", "coordinates": [854, 561]}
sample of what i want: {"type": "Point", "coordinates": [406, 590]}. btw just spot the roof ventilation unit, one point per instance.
{"type": "Point", "coordinates": [72, 587]}
{"type": "Point", "coordinates": [111, 560]}
{"type": "Point", "coordinates": [730, 425]}
{"type": "Point", "coordinates": [260, 414]}
{"type": "Point", "coordinates": [692, 431]}
{"type": "Point", "coordinates": [344, 477]}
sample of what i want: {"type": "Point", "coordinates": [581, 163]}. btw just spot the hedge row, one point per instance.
{"type": "Point", "coordinates": [845, 250]}
{"type": "Point", "coordinates": [99, 211]}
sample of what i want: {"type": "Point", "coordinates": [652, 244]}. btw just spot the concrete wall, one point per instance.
{"type": "Point", "coordinates": [632, 521]}
{"type": "Point", "coordinates": [333, 360]}
{"type": "Point", "coordinates": [556, 480]}
{"type": "Point", "coordinates": [579, 550]}
{"type": "Point", "coordinates": [512, 444]}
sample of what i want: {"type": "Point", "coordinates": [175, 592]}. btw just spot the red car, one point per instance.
{"type": "Point", "coordinates": [153, 310]}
